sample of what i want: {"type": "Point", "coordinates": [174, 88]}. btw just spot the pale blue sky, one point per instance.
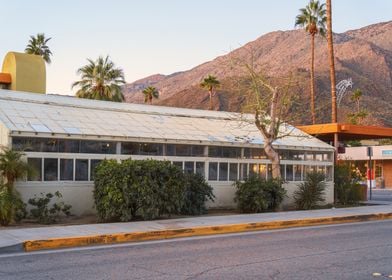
{"type": "Point", "coordinates": [146, 37]}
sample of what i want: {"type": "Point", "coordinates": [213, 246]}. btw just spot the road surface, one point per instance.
{"type": "Point", "coordinates": [350, 251]}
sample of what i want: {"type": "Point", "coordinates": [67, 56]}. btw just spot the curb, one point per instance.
{"type": "Point", "coordinates": [78, 241]}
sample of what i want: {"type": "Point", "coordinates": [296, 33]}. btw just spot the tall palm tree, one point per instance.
{"type": "Point", "coordinates": [37, 45]}
{"type": "Point", "coordinates": [312, 18]}
{"type": "Point", "coordinates": [334, 113]}
{"type": "Point", "coordinates": [210, 83]}
{"type": "Point", "coordinates": [100, 80]}
{"type": "Point", "coordinates": [356, 97]}
{"type": "Point", "coordinates": [150, 93]}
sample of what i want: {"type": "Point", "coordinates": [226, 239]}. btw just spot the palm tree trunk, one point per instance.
{"type": "Point", "coordinates": [312, 93]}
{"type": "Point", "coordinates": [334, 116]}
{"type": "Point", "coordinates": [210, 92]}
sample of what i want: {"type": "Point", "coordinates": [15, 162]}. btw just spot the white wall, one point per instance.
{"type": "Point", "coordinates": [80, 195]}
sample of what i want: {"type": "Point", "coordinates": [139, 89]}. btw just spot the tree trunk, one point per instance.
{"type": "Point", "coordinates": [312, 93]}
{"type": "Point", "coordinates": [210, 92]}
{"type": "Point", "coordinates": [273, 156]}
{"type": "Point", "coordinates": [334, 117]}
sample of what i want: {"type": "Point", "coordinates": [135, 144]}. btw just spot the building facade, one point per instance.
{"type": "Point", "coordinates": [64, 138]}
{"type": "Point", "coordinates": [381, 164]}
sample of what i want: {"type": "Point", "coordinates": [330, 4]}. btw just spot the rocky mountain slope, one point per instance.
{"type": "Point", "coordinates": [365, 55]}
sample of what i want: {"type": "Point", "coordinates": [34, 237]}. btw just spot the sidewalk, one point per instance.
{"type": "Point", "coordinates": [30, 239]}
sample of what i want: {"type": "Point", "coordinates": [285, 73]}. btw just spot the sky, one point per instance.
{"type": "Point", "coordinates": [145, 37]}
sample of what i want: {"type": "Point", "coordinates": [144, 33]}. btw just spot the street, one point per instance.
{"type": "Point", "coordinates": [348, 251]}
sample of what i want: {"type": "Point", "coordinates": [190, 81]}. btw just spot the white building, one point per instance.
{"type": "Point", "coordinates": [64, 138]}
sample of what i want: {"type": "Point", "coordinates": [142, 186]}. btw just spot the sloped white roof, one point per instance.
{"type": "Point", "coordinates": [70, 116]}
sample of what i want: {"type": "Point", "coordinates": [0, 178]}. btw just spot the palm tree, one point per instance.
{"type": "Point", "coordinates": [312, 19]}
{"type": "Point", "coordinates": [356, 97]}
{"type": "Point", "coordinates": [37, 45]}
{"type": "Point", "coordinates": [210, 83]}
{"type": "Point", "coordinates": [150, 93]}
{"type": "Point", "coordinates": [334, 117]}
{"type": "Point", "coordinates": [12, 167]}
{"type": "Point", "coordinates": [100, 80]}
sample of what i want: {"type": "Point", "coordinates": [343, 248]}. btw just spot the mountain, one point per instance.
{"type": "Point", "coordinates": [364, 55]}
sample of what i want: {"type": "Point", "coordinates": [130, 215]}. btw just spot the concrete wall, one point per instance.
{"type": "Point", "coordinates": [80, 195]}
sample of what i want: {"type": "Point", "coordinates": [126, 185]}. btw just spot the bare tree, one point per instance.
{"type": "Point", "coordinates": [270, 102]}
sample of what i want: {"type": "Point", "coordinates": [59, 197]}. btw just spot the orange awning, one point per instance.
{"type": "Point", "coordinates": [5, 78]}
{"type": "Point", "coordinates": [346, 132]}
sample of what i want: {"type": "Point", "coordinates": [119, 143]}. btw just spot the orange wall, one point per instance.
{"type": "Point", "coordinates": [387, 166]}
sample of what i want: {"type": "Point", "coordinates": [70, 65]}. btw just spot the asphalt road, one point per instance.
{"type": "Point", "coordinates": [351, 251]}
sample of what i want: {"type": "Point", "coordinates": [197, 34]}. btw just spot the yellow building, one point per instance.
{"type": "Point", "coordinates": [23, 72]}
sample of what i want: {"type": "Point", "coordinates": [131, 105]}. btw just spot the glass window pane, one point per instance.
{"type": "Point", "coordinates": [253, 170]}
{"type": "Point", "coordinates": [198, 151]}
{"type": "Point", "coordinates": [200, 168]}
{"type": "Point", "coordinates": [26, 144]}
{"type": "Point", "coordinates": [233, 172]}
{"type": "Point", "coordinates": [69, 146]}
{"type": "Point", "coordinates": [50, 169]}
{"type": "Point", "coordinates": [297, 172]}
{"type": "Point", "coordinates": [129, 148]}
{"type": "Point", "coordinates": [93, 164]}
{"type": "Point", "coordinates": [283, 171]}
{"type": "Point", "coordinates": [97, 147]}
{"type": "Point", "coordinates": [213, 171]}
{"type": "Point", "coordinates": [183, 150]}
{"type": "Point", "coordinates": [243, 171]}
{"type": "Point", "coordinates": [151, 149]}
{"type": "Point", "coordinates": [66, 169]}
{"type": "Point", "coordinates": [170, 150]}
{"type": "Point", "coordinates": [309, 156]}
{"type": "Point", "coordinates": [50, 145]}
{"type": "Point", "coordinates": [81, 170]}
{"type": "Point", "coordinates": [329, 173]}
{"type": "Point", "coordinates": [289, 173]}
{"type": "Point", "coordinates": [214, 151]}
{"type": "Point", "coordinates": [223, 171]}
{"type": "Point", "coordinates": [189, 167]}
{"type": "Point", "coordinates": [36, 166]}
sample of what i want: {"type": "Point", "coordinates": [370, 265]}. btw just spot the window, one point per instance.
{"type": "Point", "coordinates": [97, 147]}
{"type": "Point", "coordinates": [81, 170]}
{"type": "Point", "coordinates": [243, 171]}
{"type": "Point", "coordinates": [283, 171]}
{"type": "Point", "coordinates": [224, 152]}
{"type": "Point", "coordinates": [93, 164]}
{"type": "Point", "coordinates": [253, 170]}
{"type": "Point", "coordinates": [189, 167]}
{"type": "Point", "coordinates": [184, 150]}
{"type": "Point", "coordinates": [233, 172]}
{"type": "Point", "coordinates": [50, 145]}
{"type": "Point", "coordinates": [151, 149]}
{"type": "Point", "coordinates": [257, 153]}
{"type": "Point", "coordinates": [50, 169]}
{"type": "Point", "coordinates": [297, 172]}
{"type": "Point", "coordinates": [329, 175]}
{"type": "Point", "coordinates": [36, 166]}
{"type": "Point", "coordinates": [69, 146]}
{"type": "Point", "coordinates": [200, 168]}
{"type": "Point", "coordinates": [66, 169]}
{"type": "Point", "coordinates": [289, 173]}
{"type": "Point", "coordinates": [213, 171]}
{"type": "Point", "coordinates": [223, 171]}
{"type": "Point", "coordinates": [291, 155]}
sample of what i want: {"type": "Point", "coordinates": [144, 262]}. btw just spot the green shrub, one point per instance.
{"type": "Point", "coordinates": [311, 192]}
{"type": "Point", "coordinates": [12, 208]}
{"type": "Point", "coordinates": [256, 194]}
{"type": "Point", "coordinates": [197, 193]}
{"type": "Point", "coordinates": [347, 186]}
{"type": "Point", "coordinates": [146, 189]}
{"type": "Point", "coordinates": [45, 214]}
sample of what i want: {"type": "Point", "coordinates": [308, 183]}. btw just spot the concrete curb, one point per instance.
{"type": "Point", "coordinates": [78, 241]}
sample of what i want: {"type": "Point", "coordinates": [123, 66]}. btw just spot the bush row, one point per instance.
{"type": "Point", "coordinates": [147, 189]}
